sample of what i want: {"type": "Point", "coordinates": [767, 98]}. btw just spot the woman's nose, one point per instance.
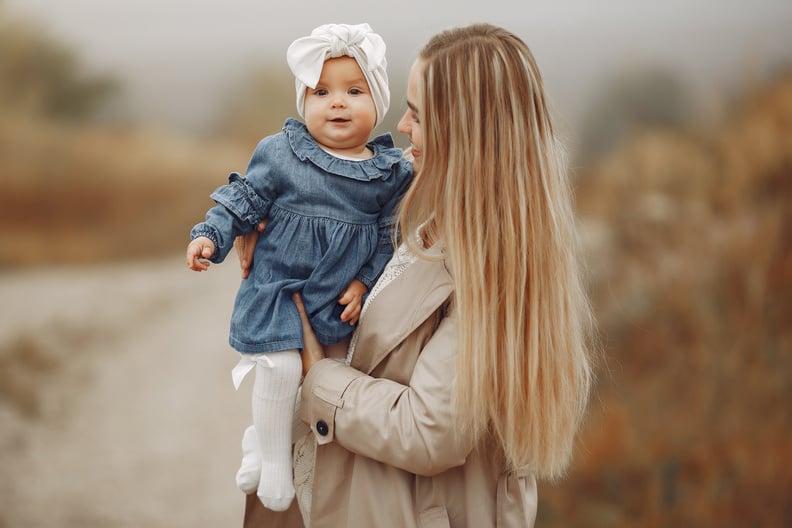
{"type": "Point", "coordinates": [402, 126]}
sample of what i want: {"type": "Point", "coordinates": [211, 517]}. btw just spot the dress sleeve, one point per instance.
{"type": "Point", "coordinates": [411, 427]}
{"type": "Point", "coordinates": [241, 204]}
{"type": "Point", "coordinates": [386, 223]}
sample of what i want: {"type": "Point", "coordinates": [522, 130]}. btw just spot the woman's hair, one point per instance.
{"type": "Point", "coordinates": [494, 189]}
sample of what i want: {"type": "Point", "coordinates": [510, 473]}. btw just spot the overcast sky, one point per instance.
{"type": "Point", "coordinates": [179, 57]}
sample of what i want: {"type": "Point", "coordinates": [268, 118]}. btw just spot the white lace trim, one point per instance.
{"type": "Point", "coordinates": [400, 261]}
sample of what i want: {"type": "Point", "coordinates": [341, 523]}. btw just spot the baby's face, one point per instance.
{"type": "Point", "coordinates": [340, 112]}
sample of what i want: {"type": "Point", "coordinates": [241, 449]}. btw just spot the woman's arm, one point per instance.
{"type": "Point", "coordinates": [412, 427]}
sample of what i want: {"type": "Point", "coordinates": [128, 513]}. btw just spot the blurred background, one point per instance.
{"type": "Point", "coordinates": [118, 119]}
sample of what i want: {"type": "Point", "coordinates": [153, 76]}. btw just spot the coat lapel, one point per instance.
{"type": "Point", "coordinates": [399, 309]}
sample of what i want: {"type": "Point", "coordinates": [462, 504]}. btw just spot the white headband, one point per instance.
{"type": "Point", "coordinates": [307, 55]}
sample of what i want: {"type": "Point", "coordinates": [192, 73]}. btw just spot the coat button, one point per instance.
{"type": "Point", "coordinates": [321, 428]}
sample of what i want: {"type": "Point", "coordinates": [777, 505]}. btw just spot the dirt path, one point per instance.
{"type": "Point", "coordinates": [116, 403]}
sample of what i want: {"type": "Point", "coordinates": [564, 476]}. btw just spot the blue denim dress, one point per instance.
{"type": "Point", "coordinates": [330, 221]}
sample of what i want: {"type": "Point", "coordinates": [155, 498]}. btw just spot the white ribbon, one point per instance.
{"type": "Point", "coordinates": [245, 365]}
{"type": "Point", "coordinates": [306, 57]}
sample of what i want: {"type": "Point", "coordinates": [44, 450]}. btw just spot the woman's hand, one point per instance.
{"type": "Point", "coordinates": [245, 245]}
{"type": "Point", "coordinates": [313, 350]}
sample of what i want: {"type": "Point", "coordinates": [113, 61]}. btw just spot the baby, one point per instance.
{"type": "Point", "coordinates": [329, 195]}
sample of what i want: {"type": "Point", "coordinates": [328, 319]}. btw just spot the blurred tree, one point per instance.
{"type": "Point", "coordinates": [41, 76]}
{"type": "Point", "coordinates": [633, 101]}
{"type": "Point", "coordinates": [688, 240]}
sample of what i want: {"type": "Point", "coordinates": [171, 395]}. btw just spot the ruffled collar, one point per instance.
{"type": "Point", "coordinates": [386, 155]}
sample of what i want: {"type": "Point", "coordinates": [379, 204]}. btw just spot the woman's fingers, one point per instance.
{"type": "Point", "coordinates": [245, 246]}
{"type": "Point", "coordinates": [313, 350]}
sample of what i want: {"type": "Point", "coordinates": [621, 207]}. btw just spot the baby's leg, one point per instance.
{"type": "Point", "coordinates": [249, 474]}
{"type": "Point", "coordinates": [274, 392]}
{"type": "Point", "coordinates": [338, 350]}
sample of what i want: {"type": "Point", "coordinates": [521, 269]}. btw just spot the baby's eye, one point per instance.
{"type": "Point", "coordinates": [320, 92]}
{"type": "Point", "coordinates": [355, 91]}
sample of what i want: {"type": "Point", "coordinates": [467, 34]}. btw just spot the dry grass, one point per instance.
{"type": "Point", "coordinates": [24, 364]}
{"type": "Point", "coordinates": [77, 194]}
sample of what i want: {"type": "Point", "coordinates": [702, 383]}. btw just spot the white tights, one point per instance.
{"type": "Point", "coordinates": [274, 394]}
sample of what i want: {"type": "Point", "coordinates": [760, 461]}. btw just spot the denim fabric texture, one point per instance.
{"type": "Point", "coordinates": [329, 221]}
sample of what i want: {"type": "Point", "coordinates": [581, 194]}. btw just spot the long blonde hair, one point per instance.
{"type": "Point", "coordinates": [494, 189]}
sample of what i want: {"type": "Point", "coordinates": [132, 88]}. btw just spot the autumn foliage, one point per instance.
{"type": "Point", "coordinates": [689, 237]}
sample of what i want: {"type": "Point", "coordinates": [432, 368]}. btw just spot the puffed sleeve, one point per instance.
{"type": "Point", "coordinates": [412, 427]}
{"type": "Point", "coordinates": [242, 203]}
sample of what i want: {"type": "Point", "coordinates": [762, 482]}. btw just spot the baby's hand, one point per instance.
{"type": "Point", "coordinates": [352, 298]}
{"type": "Point", "coordinates": [200, 248]}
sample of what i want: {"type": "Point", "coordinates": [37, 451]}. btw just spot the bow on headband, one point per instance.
{"type": "Point", "coordinates": [306, 57]}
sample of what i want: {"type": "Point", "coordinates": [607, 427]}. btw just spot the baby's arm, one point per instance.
{"type": "Point", "coordinates": [352, 298]}
{"type": "Point", "coordinates": [242, 206]}
{"type": "Point", "coordinates": [198, 249]}
{"type": "Point", "coordinates": [386, 223]}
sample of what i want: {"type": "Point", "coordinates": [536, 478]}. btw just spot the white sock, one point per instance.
{"type": "Point", "coordinates": [249, 474]}
{"type": "Point", "coordinates": [274, 393]}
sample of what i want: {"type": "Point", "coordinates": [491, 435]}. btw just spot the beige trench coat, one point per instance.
{"type": "Point", "coordinates": [389, 454]}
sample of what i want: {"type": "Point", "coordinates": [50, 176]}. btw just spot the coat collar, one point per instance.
{"type": "Point", "coordinates": [399, 309]}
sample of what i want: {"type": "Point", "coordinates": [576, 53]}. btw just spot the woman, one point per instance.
{"type": "Point", "coordinates": [470, 371]}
